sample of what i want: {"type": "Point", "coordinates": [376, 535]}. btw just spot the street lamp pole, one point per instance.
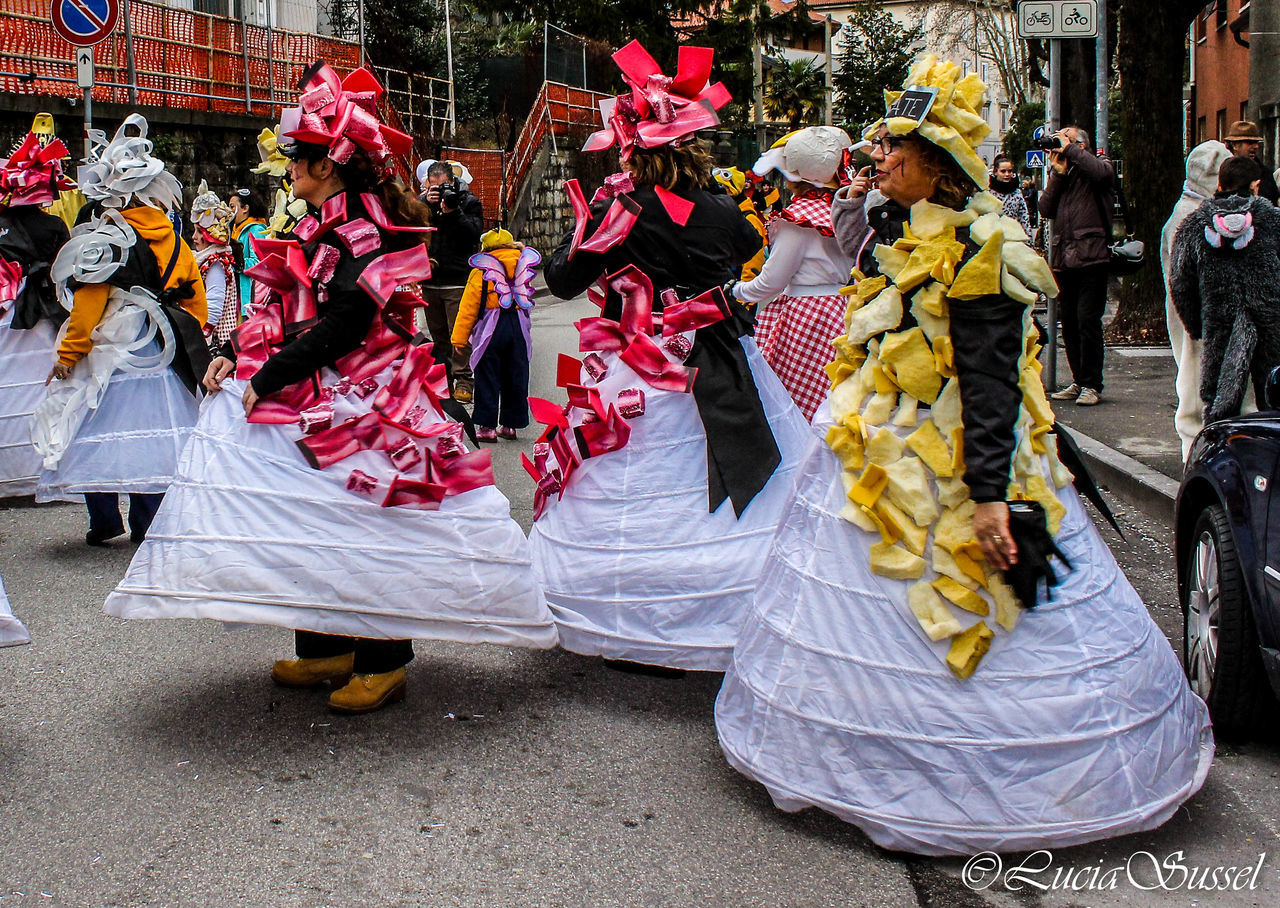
{"type": "Point", "coordinates": [1100, 60]}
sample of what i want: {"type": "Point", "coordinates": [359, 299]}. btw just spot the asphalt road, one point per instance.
{"type": "Point", "coordinates": [153, 763]}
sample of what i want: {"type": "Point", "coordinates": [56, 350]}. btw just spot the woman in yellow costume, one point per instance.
{"type": "Point", "coordinates": [903, 667]}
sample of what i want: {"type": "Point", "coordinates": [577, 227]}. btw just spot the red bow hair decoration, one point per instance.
{"type": "Point", "coordinates": [342, 114]}
{"type": "Point", "coordinates": [659, 110]}
{"type": "Point", "coordinates": [33, 174]}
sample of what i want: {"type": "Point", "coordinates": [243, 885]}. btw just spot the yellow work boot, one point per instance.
{"type": "Point", "coordinates": [365, 693]}
{"type": "Point", "coordinates": [313, 672]}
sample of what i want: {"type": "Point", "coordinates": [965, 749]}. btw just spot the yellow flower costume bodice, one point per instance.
{"type": "Point", "coordinates": [904, 465]}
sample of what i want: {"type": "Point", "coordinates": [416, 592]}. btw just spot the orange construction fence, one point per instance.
{"type": "Point", "coordinates": [559, 110]}
{"type": "Point", "coordinates": [487, 170]}
{"type": "Point", "coordinates": [181, 59]}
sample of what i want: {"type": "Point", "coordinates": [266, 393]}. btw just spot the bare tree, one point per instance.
{"type": "Point", "coordinates": [988, 30]}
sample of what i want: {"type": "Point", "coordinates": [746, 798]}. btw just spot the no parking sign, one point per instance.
{"type": "Point", "coordinates": [85, 22]}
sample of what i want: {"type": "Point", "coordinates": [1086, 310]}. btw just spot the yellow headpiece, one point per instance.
{"type": "Point", "coordinates": [494, 238]}
{"type": "Point", "coordinates": [952, 121]}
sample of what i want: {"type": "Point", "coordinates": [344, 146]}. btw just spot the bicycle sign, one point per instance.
{"type": "Point", "coordinates": [1058, 19]}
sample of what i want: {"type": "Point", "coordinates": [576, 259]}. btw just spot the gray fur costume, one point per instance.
{"type": "Point", "coordinates": [1225, 282]}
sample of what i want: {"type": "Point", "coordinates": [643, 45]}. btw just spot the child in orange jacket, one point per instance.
{"type": "Point", "coordinates": [494, 316]}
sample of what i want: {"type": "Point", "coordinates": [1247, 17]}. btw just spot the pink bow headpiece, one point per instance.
{"type": "Point", "coordinates": [659, 110]}
{"type": "Point", "coordinates": [342, 114]}
{"type": "Point", "coordinates": [33, 174]}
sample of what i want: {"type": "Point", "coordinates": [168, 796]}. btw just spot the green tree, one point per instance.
{"type": "Point", "coordinates": [795, 91]}
{"type": "Point", "coordinates": [1022, 125]}
{"type": "Point", "coordinates": [406, 35]}
{"type": "Point", "coordinates": [875, 54]}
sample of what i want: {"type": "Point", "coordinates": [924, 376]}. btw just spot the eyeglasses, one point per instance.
{"type": "Point", "coordinates": [887, 144]}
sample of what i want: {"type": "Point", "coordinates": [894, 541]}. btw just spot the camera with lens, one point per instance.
{"type": "Point", "coordinates": [449, 193]}
{"type": "Point", "coordinates": [1049, 143]}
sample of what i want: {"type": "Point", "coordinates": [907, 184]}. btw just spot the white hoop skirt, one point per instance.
{"type": "Point", "coordinates": [633, 565]}
{"type": "Point", "coordinates": [12, 632]}
{"type": "Point", "coordinates": [108, 428]}
{"type": "Point", "coordinates": [250, 533]}
{"type": "Point", "coordinates": [25, 359]}
{"type": "Point", "coordinates": [1078, 725]}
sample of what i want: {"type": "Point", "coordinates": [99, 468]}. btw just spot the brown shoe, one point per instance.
{"type": "Point", "coordinates": [365, 693]}
{"type": "Point", "coordinates": [313, 672]}
{"type": "Point", "coordinates": [462, 394]}
{"type": "Point", "coordinates": [1088, 397]}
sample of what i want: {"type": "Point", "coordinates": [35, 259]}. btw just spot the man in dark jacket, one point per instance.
{"type": "Point", "coordinates": [1079, 199]}
{"type": "Point", "coordinates": [458, 218]}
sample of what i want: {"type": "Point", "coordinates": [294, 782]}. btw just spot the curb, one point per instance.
{"type": "Point", "coordinates": [1139, 485]}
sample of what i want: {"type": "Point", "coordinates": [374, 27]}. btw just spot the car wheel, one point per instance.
{"type": "Point", "coordinates": [1220, 646]}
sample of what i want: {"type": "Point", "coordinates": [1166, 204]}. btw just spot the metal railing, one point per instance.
{"type": "Point", "coordinates": [180, 58]}
{"type": "Point", "coordinates": [559, 110]}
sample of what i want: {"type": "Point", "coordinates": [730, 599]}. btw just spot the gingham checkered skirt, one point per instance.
{"type": "Point", "coordinates": [794, 334]}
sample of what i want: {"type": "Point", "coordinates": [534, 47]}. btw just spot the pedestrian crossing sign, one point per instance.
{"type": "Point", "coordinates": [1035, 158]}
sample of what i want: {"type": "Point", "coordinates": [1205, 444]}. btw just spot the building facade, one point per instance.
{"type": "Point", "coordinates": [974, 33]}
{"type": "Point", "coordinates": [1219, 91]}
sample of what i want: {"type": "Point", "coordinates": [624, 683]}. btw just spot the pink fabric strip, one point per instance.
{"type": "Point", "coordinates": [387, 272]}
{"type": "Point", "coordinates": [678, 209]}
{"type": "Point", "coordinates": [649, 362]}
{"type": "Point", "coordinates": [705, 309]}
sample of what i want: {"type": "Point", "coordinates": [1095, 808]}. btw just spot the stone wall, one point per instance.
{"type": "Point", "coordinates": [543, 213]}
{"type": "Point", "coordinates": [195, 145]}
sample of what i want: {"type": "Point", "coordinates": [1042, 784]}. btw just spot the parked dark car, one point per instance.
{"type": "Point", "coordinates": [1228, 553]}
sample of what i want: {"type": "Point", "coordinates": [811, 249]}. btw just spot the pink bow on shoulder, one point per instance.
{"type": "Point", "coordinates": [659, 109]}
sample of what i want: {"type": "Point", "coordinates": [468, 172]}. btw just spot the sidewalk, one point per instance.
{"type": "Point", "coordinates": [1128, 439]}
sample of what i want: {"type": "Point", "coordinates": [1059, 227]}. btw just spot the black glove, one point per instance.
{"type": "Point", "coordinates": [1030, 531]}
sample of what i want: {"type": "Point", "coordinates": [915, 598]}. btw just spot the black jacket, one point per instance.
{"type": "Point", "coordinates": [986, 335]}
{"type": "Point", "coordinates": [1268, 189]}
{"type": "Point", "coordinates": [344, 309]}
{"type": "Point", "coordinates": [31, 238]}
{"type": "Point", "coordinates": [455, 240]}
{"type": "Point", "coordinates": [707, 252]}
{"type": "Point", "coordinates": [1079, 202]}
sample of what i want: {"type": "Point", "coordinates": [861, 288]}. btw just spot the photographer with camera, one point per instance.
{"type": "Point", "coordinates": [458, 218]}
{"type": "Point", "coordinates": [1079, 199]}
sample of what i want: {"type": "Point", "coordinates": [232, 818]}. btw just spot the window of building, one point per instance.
{"type": "Point", "coordinates": [1004, 119]}
{"type": "Point", "coordinates": [1220, 14]}
{"type": "Point", "coordinates": [217, 7]}
{"type": "Point", "coordinates": [1244, 109]}
{"type": "Point", "coordinates": [1222, 124]}
{"type": "Point", "coordinates": [985, 76]}
{"type": "Point", "coordinates": [1202, 132]}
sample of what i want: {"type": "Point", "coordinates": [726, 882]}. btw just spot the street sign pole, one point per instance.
{"type": "Point", "coordinates": [1055, 124]}
{"type": "Point", "coordinates": [1053, 20]}
{"type": "Point", "coordinates": [84, 78]}
{"type": "Point", "coordinates": [83, 23]}
{"type": "Point", "coordinates": [1100, 58]}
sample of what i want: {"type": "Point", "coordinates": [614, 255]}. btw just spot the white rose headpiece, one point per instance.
{"type": "Point", "coordinates": [123, 172]}
{"type": "Point", "coordinates": [210, 213]}
{"type": "Point", "coordinates": [96, 250]}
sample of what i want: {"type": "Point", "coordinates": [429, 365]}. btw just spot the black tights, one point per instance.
{"type": "Point", "coordinates": [373, 657]}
